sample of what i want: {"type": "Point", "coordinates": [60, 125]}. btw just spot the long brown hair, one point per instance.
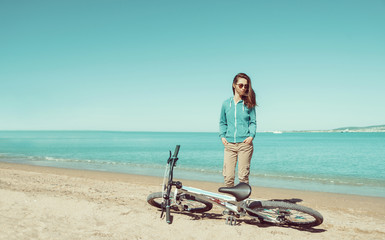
{"type": "Point", "coordinates": [249, 98]}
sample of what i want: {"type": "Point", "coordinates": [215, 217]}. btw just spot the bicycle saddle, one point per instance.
{"type": "Point", "coordinates": [240, 192]}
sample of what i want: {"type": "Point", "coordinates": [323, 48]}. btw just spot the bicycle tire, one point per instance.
{"type": "Point", "coordinates": [288, 213]}
{"type": "Point", "coordinates": [188, 202]}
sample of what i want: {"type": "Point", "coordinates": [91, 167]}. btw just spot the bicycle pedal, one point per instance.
{"type": "Point", "coordinates": [230, 220]}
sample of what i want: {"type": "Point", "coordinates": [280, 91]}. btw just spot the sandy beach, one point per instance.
{"type": "Point", "coordinates": [53, 203]}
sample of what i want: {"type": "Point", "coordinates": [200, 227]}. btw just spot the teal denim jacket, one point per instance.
{"type": "Point", "coordinates": [237, 121]}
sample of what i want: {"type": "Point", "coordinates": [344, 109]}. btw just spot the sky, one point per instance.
{"type": "Point", "coordinates": [168, 65]}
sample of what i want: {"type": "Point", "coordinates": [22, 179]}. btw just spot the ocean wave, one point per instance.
{"type": "Point", "coordinates": [20, 158]}
{"type": "Point", "coordinates": [95, 161]}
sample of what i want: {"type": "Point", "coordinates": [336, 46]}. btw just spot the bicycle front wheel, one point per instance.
{"type": "Point", "coordinates": [287, 213]}
{"type": "Point", "coordinates": [184, 202]}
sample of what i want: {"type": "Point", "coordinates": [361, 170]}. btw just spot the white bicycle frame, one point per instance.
{"type": "Point", "coordinates": [224, 201]}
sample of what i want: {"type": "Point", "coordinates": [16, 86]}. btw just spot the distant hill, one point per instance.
{"type": "Point", "coordinates": [376, 128]}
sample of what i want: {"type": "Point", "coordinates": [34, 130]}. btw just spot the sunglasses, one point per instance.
{"type": "Point", "coordinates": [241, 85]}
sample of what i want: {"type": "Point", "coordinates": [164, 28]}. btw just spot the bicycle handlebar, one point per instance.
{"type": "Point", "coordinates": [176, 151]}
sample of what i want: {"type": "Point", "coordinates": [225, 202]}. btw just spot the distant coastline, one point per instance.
{"type": "Point", "coordinates": [375, 128]}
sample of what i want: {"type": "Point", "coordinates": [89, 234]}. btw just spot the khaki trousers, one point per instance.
{"type": "Point", "coordinates": [241, 152]}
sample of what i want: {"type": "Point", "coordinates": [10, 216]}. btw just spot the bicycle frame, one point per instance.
{"type": "Point", "coordinates": [221, 200]}
{"type": "Point", "coordinates": [236, 208]}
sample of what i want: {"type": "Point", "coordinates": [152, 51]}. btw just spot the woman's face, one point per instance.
{"type": "Point", "coordinates": [241, 87]}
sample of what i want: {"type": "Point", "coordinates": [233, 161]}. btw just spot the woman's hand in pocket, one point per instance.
{"type": "Point", "coordinates": [248, 140]}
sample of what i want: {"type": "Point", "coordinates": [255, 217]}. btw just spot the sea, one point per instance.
{"type": "Point", "coordinates": [348, 163]}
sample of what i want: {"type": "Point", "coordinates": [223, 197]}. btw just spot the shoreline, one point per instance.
{"type": "Point", "coordinates": [258, 182]}
{"type": "Point", "coordinates": [155, 180]}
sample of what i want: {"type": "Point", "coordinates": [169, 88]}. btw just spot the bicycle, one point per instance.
{"type": "Point", "coordinates": [238, 205]}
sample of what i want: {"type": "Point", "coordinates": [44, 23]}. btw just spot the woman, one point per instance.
{"type": "Point", "coordinates": [237, 128]}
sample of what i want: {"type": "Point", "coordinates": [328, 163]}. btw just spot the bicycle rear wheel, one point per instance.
{"type": "Point", "coordinates": [184, 202]}
{"type": "Point", "coordinates": [286, 213]}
